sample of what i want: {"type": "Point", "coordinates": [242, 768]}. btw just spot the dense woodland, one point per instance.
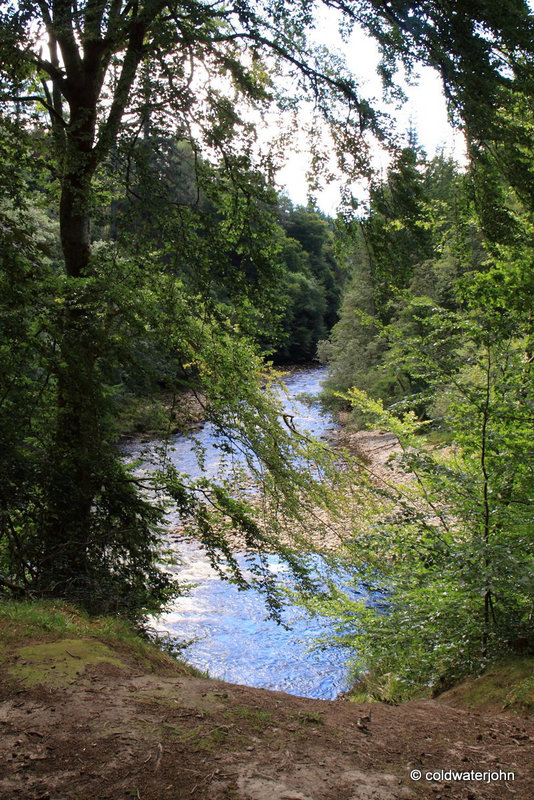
{"type": "Point", "coordinates": [434, 343]}
{"type": "Point", "coordinates": [146, 250]}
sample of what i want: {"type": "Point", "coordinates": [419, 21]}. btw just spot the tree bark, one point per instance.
{"type": "Point", "coordinates": [75, 463]}
{"type": "Point", "coordinates": [79, 455]}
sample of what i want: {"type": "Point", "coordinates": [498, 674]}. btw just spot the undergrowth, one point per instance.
{"type": "Point", "coordinates": [26, 621]}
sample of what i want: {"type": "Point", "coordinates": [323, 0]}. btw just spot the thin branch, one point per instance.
{"type": "Point", "coordinates": [36, 98]}
{"type": "Point", "coordinates": [62, 30]}
{"type": "Point", "coordinates": [13, 586]}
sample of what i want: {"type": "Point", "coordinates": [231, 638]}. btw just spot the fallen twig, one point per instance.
{"type": "Point", "coordinates": [158, 757]}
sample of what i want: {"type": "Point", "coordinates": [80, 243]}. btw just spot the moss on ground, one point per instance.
{"type": "Point", "coordinates": [59, 663]}
{"type": "Point", "coordinates": [52, 643]}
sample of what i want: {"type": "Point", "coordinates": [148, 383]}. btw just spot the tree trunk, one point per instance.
{"type": "Point", "coordinates": [75, 469]}
{"type": "Point", "coordinates": [80, 458]}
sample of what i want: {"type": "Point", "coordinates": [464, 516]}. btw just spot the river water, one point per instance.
{"type": "Point", "coordinates": [233, 639]}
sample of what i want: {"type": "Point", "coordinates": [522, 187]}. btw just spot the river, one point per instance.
{"type": "Point", "coordinates": [233, 639]}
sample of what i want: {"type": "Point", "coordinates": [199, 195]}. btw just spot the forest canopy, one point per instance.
{"type": "Point", "coordinates": [145, 248]}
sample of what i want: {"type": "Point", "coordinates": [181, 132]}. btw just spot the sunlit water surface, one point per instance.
{"type": "Point", "coordinates": [233, 638]}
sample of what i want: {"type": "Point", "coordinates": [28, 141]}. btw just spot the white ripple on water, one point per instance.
{"type": "Point", "coordinates": [233, 638]}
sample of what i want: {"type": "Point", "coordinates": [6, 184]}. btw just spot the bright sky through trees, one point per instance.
{"type": "Point", "coordinates": [424, 111]}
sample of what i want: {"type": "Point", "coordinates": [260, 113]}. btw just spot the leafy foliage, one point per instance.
{"type": "Point", "coordinates": [447, 558]}
{"type": "Point", "coordinates": [135, 148]}
{"type": "Point", "coordinates": [418, 238]}
{"type": "Point", "coordinates": [142, 248]}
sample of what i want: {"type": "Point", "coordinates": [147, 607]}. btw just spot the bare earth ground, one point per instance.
{"type": "Point", "coordinates": [81, 720]}
{"type": "Point", "coordinates": [374, 448]}
{"type": "Point", "coordinates": [114, 731]}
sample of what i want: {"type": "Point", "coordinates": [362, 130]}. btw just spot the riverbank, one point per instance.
{"type": "Point", "coordinates": [373, 449]}
{"type": "Point", "coordinates": [165, 413]}
{"type": "Point", "coordinates": [87, 711]}
{"type": "Point", "coordinates": [160, 415]}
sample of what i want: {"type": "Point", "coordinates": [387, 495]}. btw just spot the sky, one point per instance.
{"type": "Point", "coordinates": [425, 111]}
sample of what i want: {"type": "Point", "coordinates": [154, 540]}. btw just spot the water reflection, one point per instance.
{"type": "Point", "coordinates": [234, 639]}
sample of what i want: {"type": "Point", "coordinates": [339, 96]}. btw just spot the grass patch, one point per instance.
{"type": "Point", "coordinates": [26, 624]}
{"type": "Point", "coordinates": [505, 686]}
{"type": "Point", "coordinates": [374, 687]}
{"type": "Point", "coordinates": [253, 714]}
{"type": "Point", "coordinates": [198, 740]}
{"type": "Point", "coordinates": [22, 620]}
{"type": "Point", "coordinates": [311, 717]}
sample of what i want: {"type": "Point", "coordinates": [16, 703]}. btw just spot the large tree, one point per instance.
{"type": "Point", "coordinates": [103, 70]}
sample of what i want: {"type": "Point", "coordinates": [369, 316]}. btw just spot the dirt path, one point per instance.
{"type": "Point", "coordinates": [83, 720]}
{"type": "Point", "coordinates": [112, 730]}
